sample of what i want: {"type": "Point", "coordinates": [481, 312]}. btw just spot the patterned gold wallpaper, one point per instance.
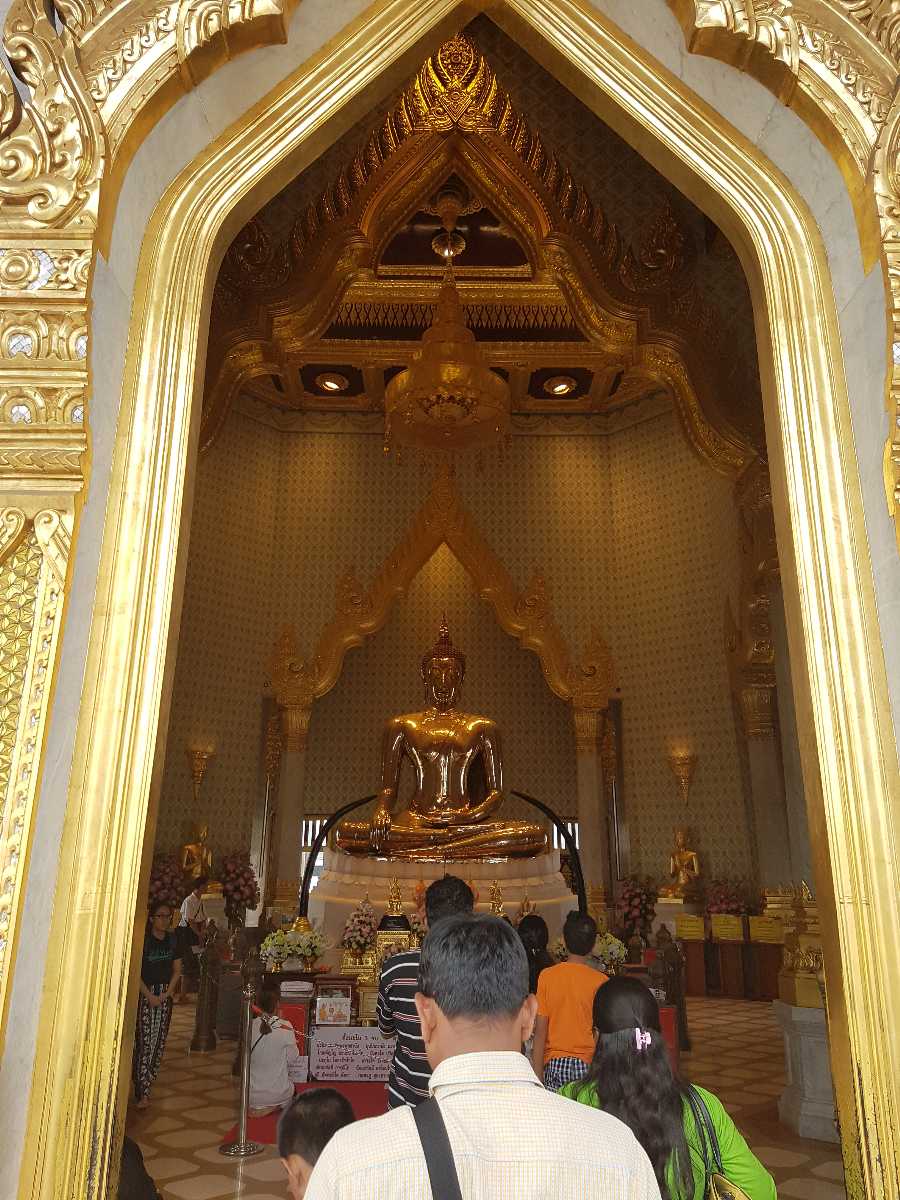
{"type": "Point", "coordinates": [632, 533]}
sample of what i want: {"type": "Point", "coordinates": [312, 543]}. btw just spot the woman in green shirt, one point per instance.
{"type": "Point", "coordinates": [631, 1078]}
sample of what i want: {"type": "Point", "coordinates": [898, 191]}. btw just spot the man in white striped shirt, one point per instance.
{"type": "Point", "coordinates": [397, 1016]}
{"type": "Point", "coordinates": [510, 1139]}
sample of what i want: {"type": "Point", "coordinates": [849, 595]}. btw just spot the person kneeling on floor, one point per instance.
{"type": "Point", "coordinates": [273, 1049]}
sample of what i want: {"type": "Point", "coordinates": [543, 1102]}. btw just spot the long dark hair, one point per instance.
{"type": "Point", "coordinates": [638, 1085]}
{"type": "Point", "coordinates": [535, 935]}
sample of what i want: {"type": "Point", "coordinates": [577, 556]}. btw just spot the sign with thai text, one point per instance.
{"type": "Point", "coordinates": [726, 928]}
{"type": "Point", "coordinates": [767, 929]}
{"type": "Point", "coordinates": [350, 1053]}
{"type": "Point", "coordinates": [690, 928]}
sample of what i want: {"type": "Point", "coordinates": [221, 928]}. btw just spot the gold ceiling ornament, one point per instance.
{"type": "Point", "coordinates": [682, 764]}
{"type": "Point", "coordinates": [269, 301]}
{"type": "Point", "coordinates": [448, 398]}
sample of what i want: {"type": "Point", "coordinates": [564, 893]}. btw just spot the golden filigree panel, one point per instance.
{"type": "Point", "coordinates": [34, 555]}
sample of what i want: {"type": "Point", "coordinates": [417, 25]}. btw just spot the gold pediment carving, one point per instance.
{"type": "Point", "coordinates": [360, 611]}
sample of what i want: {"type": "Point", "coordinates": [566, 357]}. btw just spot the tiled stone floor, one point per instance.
{"type": "Point", "coordinates": [737, 1054]}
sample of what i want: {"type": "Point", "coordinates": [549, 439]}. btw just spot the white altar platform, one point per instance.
{"type": "Point", "coordinates": [346, 879]}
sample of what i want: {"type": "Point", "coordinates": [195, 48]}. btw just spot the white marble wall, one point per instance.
{"type": "Point", "coordinates": [185, 131]}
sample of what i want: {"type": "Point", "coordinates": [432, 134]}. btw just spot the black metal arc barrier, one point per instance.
{"type": "Point", "coordinates": [570, 846]}
{"type": "Point", "coordinates": [317, 846]}
{"type": "Point", "coordinates": [354, 804]}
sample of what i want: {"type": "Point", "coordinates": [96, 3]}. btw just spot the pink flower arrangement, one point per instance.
{"type": "Point", "coordinates": [723, 896]}
{"type": "Point", "coordinates": [362, 924]}
{"type": "Point", "coordinates": [166, 881]}
{"type": "Point", "coordinates": [239, 885]}
{"type": "Point", "coordinates": [637, 905]}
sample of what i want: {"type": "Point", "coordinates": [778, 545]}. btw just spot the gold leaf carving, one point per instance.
{"type": "Point", "coordinates": [207, 32]}
{"type": "Point", "coordinates": [593, 679]}
{"type": "Point", "coordinates": [54, 143]}
{"type": "Point", "coordinates": [32, 576]}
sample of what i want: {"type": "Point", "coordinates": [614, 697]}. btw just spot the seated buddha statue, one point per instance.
{"type": "Point", "coordinates": [684, 869]}
{"type": "Point", "coordinates": [458, 780]}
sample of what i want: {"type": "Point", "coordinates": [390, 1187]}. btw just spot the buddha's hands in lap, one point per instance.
{"type": "Point", "coordinates": [380, 829]}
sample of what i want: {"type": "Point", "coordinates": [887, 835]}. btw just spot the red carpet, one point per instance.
{"type": "Point", "coordinates": [368, 1100]}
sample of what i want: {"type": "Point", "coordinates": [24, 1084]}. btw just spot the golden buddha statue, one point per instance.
{"type": "Point", "coordinates": [196, 856]}
{"type": "Point", "coordinates": [458, 780]}
{"type": "Point", "coordinates": [684, 869]}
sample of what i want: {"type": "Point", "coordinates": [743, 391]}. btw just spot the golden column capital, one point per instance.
{"type": "Point", "coordinates": [293, 682]}
{"type": "Point", "coordinates": [759, 707]}
{"type": "Point", "coordinates": [294, 727]}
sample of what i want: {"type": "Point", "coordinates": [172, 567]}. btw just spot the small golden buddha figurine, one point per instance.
{"type": "Point", "coordinates": [458, 780]}
{"type": "Point", "coordinates": [196, 856]}
{"type": "Point", "coordinates": [684, 869]}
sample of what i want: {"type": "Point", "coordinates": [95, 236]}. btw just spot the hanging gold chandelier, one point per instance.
{"type": "Point", "coordinates": [447, 398]}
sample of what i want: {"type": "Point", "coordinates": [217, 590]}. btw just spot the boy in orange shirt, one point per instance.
{"type": "Point", "coordinates": [564, 1030]}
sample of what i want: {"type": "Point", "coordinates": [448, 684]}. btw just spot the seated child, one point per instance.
{"type": "Point", "coordinates": [304, 1130]}
{"type": "Point", "coordinates": [273, 1048]}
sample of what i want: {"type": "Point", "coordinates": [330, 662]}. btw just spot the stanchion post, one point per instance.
{"type": "Point", "coordinates": [240, 1147]}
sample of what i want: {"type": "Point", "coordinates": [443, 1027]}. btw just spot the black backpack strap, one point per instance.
{"type": "Point", "coordinates": [707, 1131]}
{"type": "Point", "coordinates": [438, 1155]}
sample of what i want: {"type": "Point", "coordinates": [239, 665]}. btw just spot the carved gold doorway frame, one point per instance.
{"type": "Point", "coordinates": [842, 700]}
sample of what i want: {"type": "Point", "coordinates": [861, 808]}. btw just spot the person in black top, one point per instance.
{"type": "Point", "coordinates": [160, 972]}
{"type": "Point", "coordinates": [410, 1072]}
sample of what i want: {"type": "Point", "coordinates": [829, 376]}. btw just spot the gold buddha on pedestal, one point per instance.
{"type": "Point", "coordinates": [458, 780]}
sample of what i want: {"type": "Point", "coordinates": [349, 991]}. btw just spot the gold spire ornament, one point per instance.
{"type": "Point", "coordinates": [683, 764]}
{"type": "Point", "coordinates": [496, 901]}
{"type": "Point", "coordinates": [395, 898]}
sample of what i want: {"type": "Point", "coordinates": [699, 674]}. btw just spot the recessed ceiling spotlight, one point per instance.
{"type": "Point", "coordinates": [559, 385]}
{"type": "Point", "coordinates": [331, 381]}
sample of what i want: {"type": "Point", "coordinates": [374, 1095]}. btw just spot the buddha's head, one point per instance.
{"type": "Point", "coordinates": [443, 669]}
{"type": "Point", "coordinates": [680, 838]}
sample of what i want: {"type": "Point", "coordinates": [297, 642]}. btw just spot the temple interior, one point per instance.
{"type": "Point", "coordinates": [601, 547]}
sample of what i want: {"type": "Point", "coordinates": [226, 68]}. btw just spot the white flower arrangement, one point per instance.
{"type": "Point", "coordinates": [609, 952]}
{"type": "Point", "coordinates": [278, 947]}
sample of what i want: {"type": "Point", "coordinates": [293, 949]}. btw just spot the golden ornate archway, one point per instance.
{"type": "Point", "coordinates": [97, 85]}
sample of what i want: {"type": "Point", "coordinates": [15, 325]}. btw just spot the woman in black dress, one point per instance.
{"type": "Point", "coordinates": [160, 972]}
{"type": "Point", "coordinates": [535, 935]}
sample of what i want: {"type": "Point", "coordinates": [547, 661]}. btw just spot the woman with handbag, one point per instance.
{"type": "Point", "coordinates": [696, 1149]}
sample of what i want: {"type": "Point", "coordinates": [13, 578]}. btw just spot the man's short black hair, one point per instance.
{"type": "Point", "coordinates": [474, 966]}
{"type": "Point", "coordinates": [446, 898]}
{"type": "Point", "coordinates": [310, 1121]}
{"type": "Point", "coordinates": [579, 933]}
